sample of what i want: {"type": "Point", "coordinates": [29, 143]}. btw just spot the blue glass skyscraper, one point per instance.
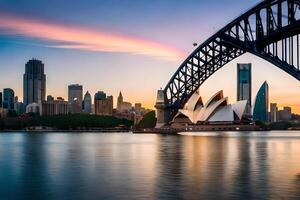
{"type": "Point", "coordinates": [261, 107]}
{"type": "Point", "coordinates": [244, 85]}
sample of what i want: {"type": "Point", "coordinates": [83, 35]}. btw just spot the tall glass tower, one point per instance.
{"type": "Point", "coordinates": [244, 85]}
{"type": "Point", "coordinates": [8, 99]}
{"type": "Point", "coordinates": [261, 107]}
{"type": "Point", "coordinates": [34, 82]}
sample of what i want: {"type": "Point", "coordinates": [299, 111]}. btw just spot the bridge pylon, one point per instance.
{"type": "Point", "coordinates": [162, 114]}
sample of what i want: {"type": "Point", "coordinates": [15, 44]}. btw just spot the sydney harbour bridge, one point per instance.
{"type": "Point", "coordinates": [269, 30]}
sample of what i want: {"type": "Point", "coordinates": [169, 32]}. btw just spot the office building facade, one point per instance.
{"type": "Point", "coordinates": [103, 106]}
{"type": "Point", "coordinates": [75, 98]}
{"type": "Point", "coordinates": [19, 107]}
{"type": "Point", "coordinates": [273, 112]}
{"type": "Point", "coordinates": [285, 114]}
{"type": "Point", "coordinates": [55, 107]}
{"type": "Point", "coordinates": [33, 108]}
{"type": "Point", "coordinates": [244, 85]}
{"type": "Point", "coordinates": [87, 103]}
{"type": "Point", "coordinates": [34, 82]}
{"type": "Point", "coordinates": [8, 99]}
{"type": "Point", "coordinates": [100, 95]}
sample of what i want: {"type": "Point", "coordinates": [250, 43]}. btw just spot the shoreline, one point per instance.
{"type": "Point", "coordinates": [67, 131]}
{"type": "Point", "coordinates": [150, 132]}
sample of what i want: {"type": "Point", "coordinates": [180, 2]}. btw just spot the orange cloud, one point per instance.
{"type": "Point", "coordinates": [75, 37]}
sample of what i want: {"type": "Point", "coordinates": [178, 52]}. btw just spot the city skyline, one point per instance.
{"type": "Point", "coordinates": [35, 102]}
{"type": "Point", "coordinates": [108, 68]}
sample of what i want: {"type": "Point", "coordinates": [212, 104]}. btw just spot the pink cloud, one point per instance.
{"type": "Point", "coordinates": [80, 38]}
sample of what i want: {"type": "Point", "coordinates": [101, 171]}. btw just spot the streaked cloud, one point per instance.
{"type": "Point", "coordinates": [76, 37]}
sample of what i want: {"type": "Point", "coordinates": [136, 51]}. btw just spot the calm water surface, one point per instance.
{"type": "Point", "coordinates": [254, 165]}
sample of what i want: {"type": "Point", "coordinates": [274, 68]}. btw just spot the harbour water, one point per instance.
{"type": "Point", "coordinates": [223, 165]}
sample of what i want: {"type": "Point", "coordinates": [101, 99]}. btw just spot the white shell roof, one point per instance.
{"type": "Point", "coordinates": [215, 97]}
{"type": "Point", "coordinates": [215, 109]}
{"type": "Point", "coordinates": [225, 114]}
{"type": "Point", "coordinates": [191, 104]}
{"type": "Point", "coordinates": [211, 109]}
{"type": "Point", "coordinates": [239, 108]}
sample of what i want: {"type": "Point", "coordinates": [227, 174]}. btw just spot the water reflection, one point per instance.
{"type": "Point", "coordinates": [125, 166]}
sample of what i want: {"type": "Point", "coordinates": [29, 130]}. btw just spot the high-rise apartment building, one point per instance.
{"type": "Point", "coordinates": [261, 107]}
{"type": "Point", "coordinates": [75, 98]}
{"type": "Point", "coordinates": [244, 85]}
{"type": "Point", "coordinates": [34, 82]}
{"type": "Point", "coordinates": [8, 99]}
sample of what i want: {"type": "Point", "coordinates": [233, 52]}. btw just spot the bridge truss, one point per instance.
{"type": "Point", "coordinates": [270, 30]}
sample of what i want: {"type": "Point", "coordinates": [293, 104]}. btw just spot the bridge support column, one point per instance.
{"type": "Point", "coordinates": [161, 114]}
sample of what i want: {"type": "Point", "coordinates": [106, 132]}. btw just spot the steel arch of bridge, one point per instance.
{"type": "Point", "coordinates": [270, 30]}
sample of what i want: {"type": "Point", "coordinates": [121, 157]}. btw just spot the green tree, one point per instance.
{"type": "Point", "coordinates": [260, 124]}
{"type": "Point", "coordinates": [148, 121]}
{"type": "Point", "coordinates": [280, 125]}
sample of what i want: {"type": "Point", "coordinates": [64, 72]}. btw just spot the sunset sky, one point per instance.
{"type": "Point", "coordinates": [133, 46]}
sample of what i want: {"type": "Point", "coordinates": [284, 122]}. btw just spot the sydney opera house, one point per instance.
{"type": "Point", "coordinates": [215, 110]}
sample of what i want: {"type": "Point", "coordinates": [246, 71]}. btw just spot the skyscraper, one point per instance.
{"type": "Point", "coordinates": [8, 99]}
{"type": "Point", "coordinates": [87, 103]}
{"type": "Point", "coordinates": [103, 104]}
{"type": "Point", "coordinates": [273, 112]}
{"type": "Point", "coordinates": [1, 100]}
{"type": "Point", "coordinates": [244, 85]}
{"type": "Point", "coordinates": [75, 98]}
{"type": "Point", "coordinates": [261, 107]}
{"type": "Point", "coordinates": [34, 82]}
